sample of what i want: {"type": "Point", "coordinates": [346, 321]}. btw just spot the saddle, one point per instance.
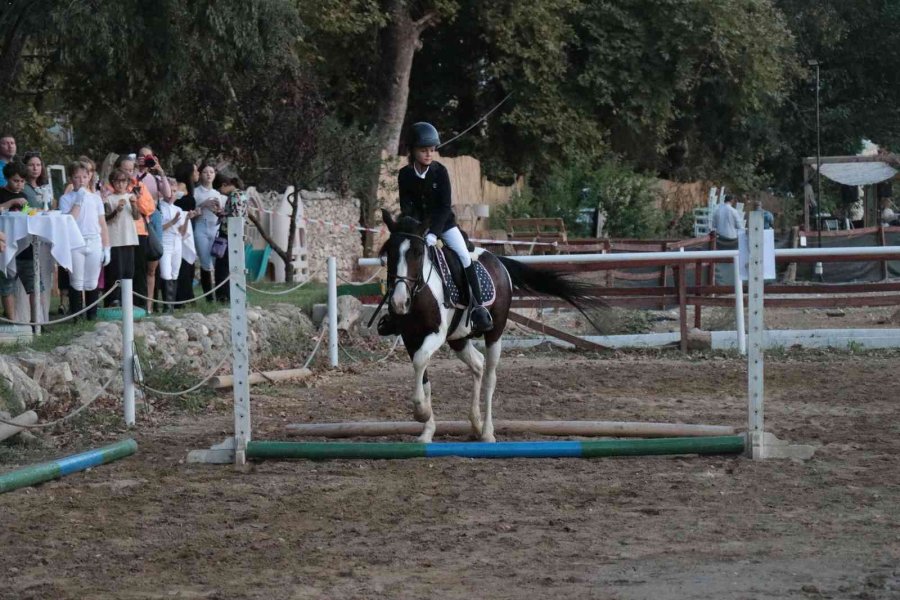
{"type": "Point", "coordinates": [456, 288]}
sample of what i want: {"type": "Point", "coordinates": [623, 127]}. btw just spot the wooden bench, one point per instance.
{"type": "Point", "coordinates": [545, 231]}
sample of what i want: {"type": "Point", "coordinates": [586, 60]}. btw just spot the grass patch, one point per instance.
{"type": "Point", "coordinates": [174, 378]}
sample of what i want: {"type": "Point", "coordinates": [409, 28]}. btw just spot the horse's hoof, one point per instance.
{"type": "Point", "coordinates": [488, 437]}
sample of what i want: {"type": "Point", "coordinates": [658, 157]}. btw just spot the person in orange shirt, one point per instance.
{"type": "Point", "coordinates": [145, 207]}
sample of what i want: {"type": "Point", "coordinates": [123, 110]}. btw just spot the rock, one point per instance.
{"type": "Point", "coordinates": [349, 311]}
{"type": "Point", "coordinates": [22, 391]}
{"type": "Point", "coordinates": [319, 313]}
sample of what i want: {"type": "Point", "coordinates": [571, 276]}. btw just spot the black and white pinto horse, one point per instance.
{"type": "Point", "coordinates": [427, 318]}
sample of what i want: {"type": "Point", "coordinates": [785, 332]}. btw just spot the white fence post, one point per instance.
{"type": "Point", "coordinates": [332, 312]}
{"type": "Point", "coordinates": [756, 353]}
{"type": "Point", "coordinates": [240, 347]}
{"type": "Point", "coordinates": [127, 305]}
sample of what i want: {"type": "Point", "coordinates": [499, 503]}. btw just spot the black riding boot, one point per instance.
{"type": "Point", "coordinates": [90, 297]}
{"type": "Point", "coordinates": [169, 289]}
{"type": "Point", "coordinates": [75, 303]}
{"type": "Point", "coordinates": [206, 283]}
{"type": "Point", "coordinates": [480, 316]}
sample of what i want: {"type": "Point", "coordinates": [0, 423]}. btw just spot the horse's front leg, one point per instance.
{"type": "Point", "coordinates": [421, 398]}
{"type": "Point", "coordinates": [470, 355]}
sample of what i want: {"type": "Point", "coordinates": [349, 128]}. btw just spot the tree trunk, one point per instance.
{"type": "Point", "coordinates": [399, 42]}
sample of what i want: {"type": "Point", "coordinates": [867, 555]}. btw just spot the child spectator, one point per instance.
{"type": "Point", "coordinates": [175, 224]}
{"type": "Point", "coordinates": [186, 175]}
{"type": "Point", "coordinates": [87, 209]}
{"type": "Point", "coordinates": [121, 212]}
{"type": "Point", "coordinates": [12, 198]}
{"type": "Point", "coordinates": [206, 226]}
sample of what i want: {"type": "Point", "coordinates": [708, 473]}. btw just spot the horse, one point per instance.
{"type": "Point", "coordinates": [417, 300]}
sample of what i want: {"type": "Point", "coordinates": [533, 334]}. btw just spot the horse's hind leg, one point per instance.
{"type": "Point", "coordinates": [493, 359]}
{"type": "Point", "coordinates": [466, 352]}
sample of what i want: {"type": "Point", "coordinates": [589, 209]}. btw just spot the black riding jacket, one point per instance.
{"type": "Point", "coordinates": [427, 199]}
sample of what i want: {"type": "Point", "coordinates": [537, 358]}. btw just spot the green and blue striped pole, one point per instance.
{"type": "Point", "coordinates": [67, 465]}
{"type": "Point", "coordinates": [730, 444]}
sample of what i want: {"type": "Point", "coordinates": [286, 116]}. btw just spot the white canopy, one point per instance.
{"type": "Point", "coordinates": [858, 173]}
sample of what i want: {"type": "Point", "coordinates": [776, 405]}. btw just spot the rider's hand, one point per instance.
{"type": "Point", "coordinates": [431, 239]}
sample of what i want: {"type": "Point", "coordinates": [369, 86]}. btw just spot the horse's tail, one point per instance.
{"type": "Point", "coordinates": [579, 294]}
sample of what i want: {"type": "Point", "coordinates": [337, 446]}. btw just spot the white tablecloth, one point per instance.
{"type": "Point", "coordinates": [58, 234]}
{"type": "Point", "coordinates": [53, 227]}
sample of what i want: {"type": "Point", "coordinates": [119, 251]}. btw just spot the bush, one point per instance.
{"type": "Point", "coordinates": [628, 198]}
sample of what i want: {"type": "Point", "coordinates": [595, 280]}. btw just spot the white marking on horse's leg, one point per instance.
{"type": "Point", "coordinates": [421, 400]}
{"type": "Point", "coordinates": [493, 359]}
{"type": "Point", "coordinates": [475, 361]}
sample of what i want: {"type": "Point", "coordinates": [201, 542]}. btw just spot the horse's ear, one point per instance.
{"type": "Point", "coordinates": [388, 219]}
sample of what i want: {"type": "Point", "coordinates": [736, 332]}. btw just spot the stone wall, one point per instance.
{"type": "Point", "coordinates": [196, 341]}
{"type": "Point", "coordinates": [339, 239]}
{"type": "Point", "coordinates": [321, 239]}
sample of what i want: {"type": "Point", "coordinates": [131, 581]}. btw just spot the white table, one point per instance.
{"type": "Point", "coordinates": [57, 235]}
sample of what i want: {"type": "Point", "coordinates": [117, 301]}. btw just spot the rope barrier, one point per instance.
{"type": "Point", "coordinates": [279, 292]}
{"type": "Point", "coordinates": [391, 351]}
{"type": "Point", "coordinates": [315, 348]}
{"type": "Point", "coordinates": [194, 299]}
{"type": "Point", "coordinates": [67, 317]}
{"type": "Point", "coordinates": [369, 280]}
{"type": "Point", "coordinates": [68, 416]}
{"type": "Point", "coordinates": [190, 389]}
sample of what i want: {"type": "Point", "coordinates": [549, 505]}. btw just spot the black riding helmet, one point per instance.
{"type": "Point", "coordinates": [423, 135]}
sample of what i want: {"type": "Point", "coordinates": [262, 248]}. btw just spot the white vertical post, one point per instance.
{"type": "Point", "coordinates": [37, 311]}
{"type": "Point", "coordinates": [127, 350]}
{"type": "Point", "coordinates": [755, 355]}
{"type": "Point", "coordinates": [240, 348]}
{"type": "Point", "coordinates": [332, 312]}
{"type": "Point", "coordinates": [739, 307]}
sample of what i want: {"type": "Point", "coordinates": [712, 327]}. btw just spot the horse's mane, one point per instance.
{"type": "Point", "coordinates": [404, 224]}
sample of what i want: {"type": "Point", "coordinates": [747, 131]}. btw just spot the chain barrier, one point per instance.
{"type": "Point", "coordinates": [68, 416]}
{"type": "Point", "coordinates": [67, 317]}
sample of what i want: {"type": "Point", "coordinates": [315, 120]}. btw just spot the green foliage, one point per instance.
{"type": "Point", "coordinates": [628, 198]}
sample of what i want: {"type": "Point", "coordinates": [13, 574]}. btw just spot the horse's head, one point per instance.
{"type": "Point", "coordinates": [404, 253]}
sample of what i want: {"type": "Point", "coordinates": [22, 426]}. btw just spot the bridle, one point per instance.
{"type": "Point", "coordinates": [414, 285]}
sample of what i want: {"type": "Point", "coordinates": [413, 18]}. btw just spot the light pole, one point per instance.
{"type": "Point", "coordinates": [818, 269]}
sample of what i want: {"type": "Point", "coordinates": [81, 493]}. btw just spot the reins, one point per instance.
{"type": "Point", "coordinates": [418, 282]}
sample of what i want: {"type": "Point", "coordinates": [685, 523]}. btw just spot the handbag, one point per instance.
{"type": "Point", "coordinates": [154, 244]}
{"type": "Point", "coordinates": [219, 246]}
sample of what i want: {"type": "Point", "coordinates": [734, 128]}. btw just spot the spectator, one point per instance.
{"type": "Point", "coordinates": [87, 209]}
{"type": "Point", "coordinates": [889, 216]}
{"type": "Point", "coordinates": [12, 198]}
{"type": "Point", "coordinates": [229, 185]}
{"type": "Point", "coordinates": [37, 182]}
{"type": "Point", "coordinates": [7, 153]}
{"type": "Point", "coordinates": [145, 209]}
{"type": "Point", "coordinates": [186, 175]}
{"type": "Point", "coordinates": [121, 213]}
{"type": "Point", "coordinates": [175, 224]}
{"type": "Point", "coordinates": [152, 176]}
{"type": "Point", "coordinates": [768, 220]}
{"type": "Point", "coordinates": [206, 226]}
{"type": "Point", "coordinates": [727, 221]}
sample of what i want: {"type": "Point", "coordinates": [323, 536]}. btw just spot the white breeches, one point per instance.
{"type": "Point", "coordinates": [170, 263]}
{"type": "Point", "coordinates": [86, 264]}
{"type": "Point", "coordinates": [454, 239]}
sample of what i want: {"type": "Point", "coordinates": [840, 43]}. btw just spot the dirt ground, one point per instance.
{"type": "Point", "coordinates": [152, 526]}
